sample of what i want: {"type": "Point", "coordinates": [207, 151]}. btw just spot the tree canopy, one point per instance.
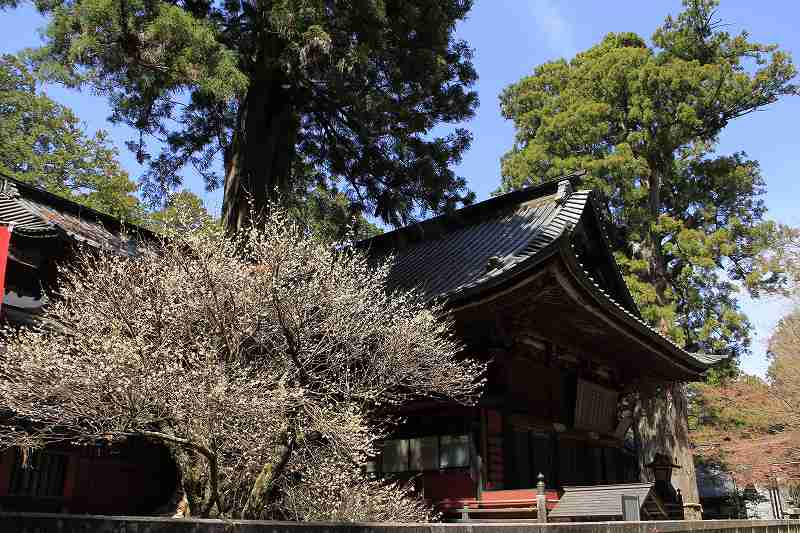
{"type": "Point", "coordinates": [183, 211]}
{"type": "Point", "coordinates": [45, 144]}
{"type": "Point", "coordinates": [785, 255]}
{"type": "Point", "coordinates": [284, 94]}
{"type": "Point", "coordinates": [643, 120]}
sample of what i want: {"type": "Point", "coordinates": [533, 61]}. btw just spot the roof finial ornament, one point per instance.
{"type": "Point", "coordinates": [494, 263]}
{"type": "Point", "coordinates": [7, 189]}
{"type": "Point", "coordinates": [564, 190]}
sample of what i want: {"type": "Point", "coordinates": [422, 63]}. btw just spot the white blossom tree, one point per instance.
{"type": "Point", "coordinates": [270, 363]}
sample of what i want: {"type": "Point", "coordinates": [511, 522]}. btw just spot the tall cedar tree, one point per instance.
{"type": "Point", "coordinates": [643, 121]}
{"type": "Point", "coordinates": [43, 143]}
{"type": "Point", "coordinates": [348, 89]}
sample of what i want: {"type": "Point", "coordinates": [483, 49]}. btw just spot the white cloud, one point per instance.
{"type": "Point", "coordinates": [555, 27]}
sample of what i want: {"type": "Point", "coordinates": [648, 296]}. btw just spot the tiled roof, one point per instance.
{"type": "Point", "coordinates": [454, 256]}
{"type": "Point", "coordinates": [37, 213]}
{"type": "Point", "coordinates": [599, 500]}
{"type": "Point", "coordinates": [447, 257]}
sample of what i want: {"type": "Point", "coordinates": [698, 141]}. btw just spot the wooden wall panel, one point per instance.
{"type": "Point", "coordinates": [595, 408]}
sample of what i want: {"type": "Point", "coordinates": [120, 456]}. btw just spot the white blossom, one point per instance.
{"type": "Point", "coordinates": [270, 363]}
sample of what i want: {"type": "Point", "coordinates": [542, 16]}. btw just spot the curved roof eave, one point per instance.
{"type": "Point", "coordinates": [696, 363]}
{"type": "Point", "coordinates": [689, 365]}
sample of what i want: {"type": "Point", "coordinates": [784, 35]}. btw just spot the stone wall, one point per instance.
{"type": "Point", "coordinates": [56, 523]}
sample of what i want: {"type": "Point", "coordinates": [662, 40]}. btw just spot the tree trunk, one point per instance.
{"type": "Point", "coordinates": [661, 427]}
{"type": "Point", "coordinates": [658, 269]}
{"type": "Point", "coordinates": [258, 163]}
{"type": "Point", "coordinates": [193, 482]}
{"type": "Point", "coordinates": [263, 490]}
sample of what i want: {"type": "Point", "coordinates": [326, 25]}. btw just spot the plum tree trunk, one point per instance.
{"type": "Point", "coordinates": [661, 427]}
{"type": "Point", "coordinates": [263, 490]}
{"type": "Point", "coordinates": [194, 483]}
{"type": "Point", "coordinates": [258, 163]}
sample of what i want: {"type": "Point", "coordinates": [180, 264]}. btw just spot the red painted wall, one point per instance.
{"type": "Point", "coordinates": [132, 481]}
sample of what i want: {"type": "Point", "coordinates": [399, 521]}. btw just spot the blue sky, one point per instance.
{"type": "Point", "coordinates": [511, 37]}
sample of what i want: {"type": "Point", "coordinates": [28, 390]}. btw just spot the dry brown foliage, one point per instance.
{"type": "Point", "coordinates": [753, 425]}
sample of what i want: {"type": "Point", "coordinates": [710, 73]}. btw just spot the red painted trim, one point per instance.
{"type": "Point", "coordinates": [523, 498]}
{"type": "Point", "coordinates": [71, 476]}
{"type": "Point", "coordinates": [508, 494]}
{"type": "Point", "coordinates": [6, 460]}
{"type": "Point", "coordinates": [5, 238]}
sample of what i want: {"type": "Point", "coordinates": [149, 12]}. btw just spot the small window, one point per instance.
{"type": "Point", "coordinates": [395, 455]}
{"type": "Point", "coordinates": [454, 451]}
{"type": "Point", "coordinates": [42, 477]}
{"type": "Point", "coordinates": [424, 453]}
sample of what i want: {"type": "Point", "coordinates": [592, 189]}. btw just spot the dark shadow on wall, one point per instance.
{"type": "Point", "coordinates": [134, 477]}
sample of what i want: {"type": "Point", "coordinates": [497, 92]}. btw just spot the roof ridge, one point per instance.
{"type": "Point", "coordinates": [467, 215]}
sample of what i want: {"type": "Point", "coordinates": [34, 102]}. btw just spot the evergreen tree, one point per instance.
{"type": "Point", "coordinates": [43, 143]}
{"type": "Point", "coordinates": [643, 121]}
{"type": "Point", "coordinates": [327, 212]}
{"type": "Point", "coordinates": [348, 88]}
{"type": "Point", "coordinates": [183, 212]}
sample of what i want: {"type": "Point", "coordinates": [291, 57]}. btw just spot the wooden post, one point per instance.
{"type": "Point", "coordinates": [7, 459]}
{"type": "Point", "coordinates": [541, 499]}
{"type": "Point", "coordinates": [70, 479]}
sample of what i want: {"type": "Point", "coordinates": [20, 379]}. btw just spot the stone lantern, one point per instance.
{"type": "Point", "coordinates": [662, 467]}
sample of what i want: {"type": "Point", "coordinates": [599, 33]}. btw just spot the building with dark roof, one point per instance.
{"type": "Point", "coordinates": [132, 478]}
{"type": "Point", "coordinates": [45, 231]}
{"type": "Point", "coordinates": [532, 285]}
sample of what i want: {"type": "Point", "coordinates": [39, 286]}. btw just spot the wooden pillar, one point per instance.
{"type": "Point", "coordinates": [484, 453]}
{"type": "Point", "coordinates": [70, 479]}
{"type": "Point", "coordinates": [541, 500]}
{"type": "Point", "coordinates": [495, 450]}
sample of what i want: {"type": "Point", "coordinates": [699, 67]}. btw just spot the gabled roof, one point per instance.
{"type": "Point", "coordinates": [600, 501]}
{"type": "Point", "coordinates": [35, 212]}
{"type": "Point", "coordinates": [476, 251]}
{"type": "Point", "coordinates": [457, 255]}
{"type": "Point", "coordinates": [452, 255]}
